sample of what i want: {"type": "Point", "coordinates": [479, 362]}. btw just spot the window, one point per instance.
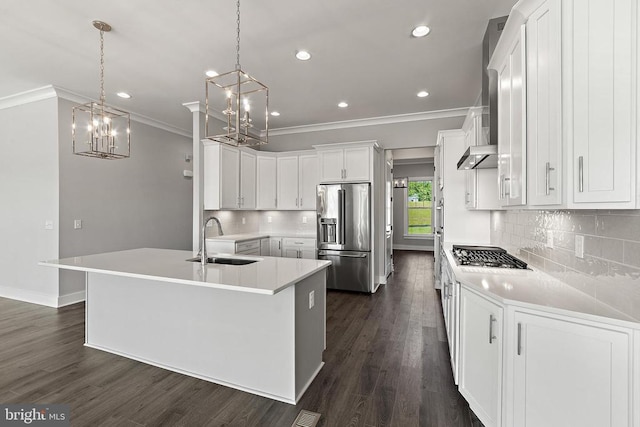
{"type": "Point", "coordinates": [418, 207]}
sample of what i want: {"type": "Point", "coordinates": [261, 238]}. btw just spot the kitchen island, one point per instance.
{"type": "Point", "coordinates": [258, 327]}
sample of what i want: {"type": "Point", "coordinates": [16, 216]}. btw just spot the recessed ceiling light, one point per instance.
{"type": "Point", "coordinates": [423, 93]}
{"type": "Point", "coordinates": [211, 73]}
{"type": "Point", "coordinates": [420, 31]}
{"type": "Point", "coordinates": [124, 95]}
{"type": "Point", "coordinates": [303, 55]}
{"type": "Point", "coordinates": [343, 104]}
{"type": "Point", "coordinates": [275, 113]}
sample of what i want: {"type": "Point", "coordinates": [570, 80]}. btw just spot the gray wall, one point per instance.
{"type": "Point", "coordinates": [143, 201]}
{"type": "Point", "coordinates": [29, 194]}
{"type": "Point", "coordinates": [389, 136]}
{"type": "Point", "coordinates": [424, 170]}
{"type": "Point", "coordinates": [610, 269]}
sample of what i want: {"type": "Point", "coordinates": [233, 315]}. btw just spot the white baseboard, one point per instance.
{"type": "Point", "coordinates": [414, 247]}
{"type": "Point", "coordinates": [29, 296]}
{"type": "Point", "coordinates": [72, 298]}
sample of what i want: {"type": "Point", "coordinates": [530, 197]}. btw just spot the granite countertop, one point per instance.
{"type": "Point", "coordinates": [533, 288]}
{"type": "Point", "coordinates": [269, 275]}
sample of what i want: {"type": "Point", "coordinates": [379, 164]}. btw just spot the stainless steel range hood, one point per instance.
{"type": "Point", "coordinates": [486, 156]}
{"type": "Point", "coordinates": [479, 157]}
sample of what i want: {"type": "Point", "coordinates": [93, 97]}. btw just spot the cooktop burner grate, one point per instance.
{"type": "Point", "coordinates": [486, 256]}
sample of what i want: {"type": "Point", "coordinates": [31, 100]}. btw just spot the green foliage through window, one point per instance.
{"type": "Point", "coordinates": [419, 203]}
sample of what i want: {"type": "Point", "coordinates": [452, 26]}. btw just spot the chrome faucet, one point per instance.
{"type": "Point", "coordinates": [203, 240]}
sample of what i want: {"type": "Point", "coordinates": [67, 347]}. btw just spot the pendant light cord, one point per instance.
{"type": "Point", "coordinates": [102, 95]}
{"type": "Point", "coordinates": [238, 35]}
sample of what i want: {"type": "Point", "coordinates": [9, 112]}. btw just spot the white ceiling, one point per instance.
{"type": "Point", "coordinates": [159, 50]}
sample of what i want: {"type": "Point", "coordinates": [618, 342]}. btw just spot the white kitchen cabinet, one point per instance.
{"type": "Point", "coordinates": [481, 343]}
{"type": "Point", "coordinates": [296, 183]}
{"type": "Point", "coordinates": [265, 248]}
{"type": "Point", "coordinates": [247, 180]}
{"type": "Point", "coordinates": [275, 246]}
{"type": "Point", "coordinates": [229, 177]}
{"type": "Point", "coordinates": [266, 188]}
{"type": "Point", "coordinates": [481, 190]}
{"type": "Point", "coordinates": [568, 372]}
{"type": "Point", "coordinates": [544, 105]}
{"type": "Point", "coordinates": [450, 295]}
{"type": "Point", "coordinates": [510, 64]}
{"type": "Point", "coordinates": [299, 248]}
{"type": "Point", "coordinates": [348, 162]}
{"type": "Point", "coordinates": [600, 45]}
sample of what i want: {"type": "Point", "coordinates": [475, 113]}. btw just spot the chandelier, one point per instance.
{"type": "Point", "coordinates": [97, 129]}
{"type": "Point", "coordinates": [236, 95]}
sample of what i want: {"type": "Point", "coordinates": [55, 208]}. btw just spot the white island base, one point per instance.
{"type": "Point", "coordinates": [269, 345]}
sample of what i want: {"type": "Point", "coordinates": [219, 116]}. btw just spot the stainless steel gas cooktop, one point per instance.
{"type": "Point", "coordinates": [486, 256]}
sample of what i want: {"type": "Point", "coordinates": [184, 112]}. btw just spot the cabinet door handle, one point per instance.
{"type": "Point", "coordinates": [279, 243]}
{"type": "Point", "coordinates": [491, 336]}
{"type": "Point", "coordinates": [519, 339]}
{"type": "Point", "coordinates": [300, 201]}
{"type": "Point", "coordinates": [507, 194]}
{"type": "Point", "coordinates": [501, 185]}
{"type": "Point", "coordinates": [547, 178]}
{"type": "Point", "coordinates": [580, 174]}
{"type": "Point", "coordinates": [296, 201]}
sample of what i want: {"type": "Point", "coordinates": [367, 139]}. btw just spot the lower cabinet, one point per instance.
{"type": "Point", "coordinates": [568, 373]}
{"type": "Point", "coordinates": [298, 248]}
{"type": "Point", "coordinates": [275, 246]}
{"type": "Point", "coordinates": [481, 343]}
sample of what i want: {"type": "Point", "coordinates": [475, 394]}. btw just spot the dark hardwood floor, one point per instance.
{"type": "Point", "coordinates": [386, 365]}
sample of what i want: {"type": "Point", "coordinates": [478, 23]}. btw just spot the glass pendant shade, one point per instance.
{"type": "Point", "coordinates": [101, 131]}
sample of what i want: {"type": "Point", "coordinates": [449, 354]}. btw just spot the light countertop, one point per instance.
{"type": "Point", "coordinates": [242, 237]}
{"type": "Point", "coordinates": [532, 288]}
{"type": "Point", "coordinates": [269, 275]}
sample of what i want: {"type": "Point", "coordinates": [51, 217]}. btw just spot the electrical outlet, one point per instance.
{"type": "Point", "coordinates": [312, 299]}
{"type": "Point", "coordinates": [269, 219]}
{"type": "Point", "coordinates": [77, 224]}
{"type": "Point", "coordinates": [550, 239]}
{"type": "Point", "coordinates": [244, 220]}
{"type": "Point", "coordinates": [579, 246]}
{"type": "Point", "coordinates": [48, 224]}
{"type": "Point", "coordinates": [304, 219]}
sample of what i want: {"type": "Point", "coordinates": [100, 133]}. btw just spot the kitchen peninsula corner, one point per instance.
{"type": "Point", "coordinates": [258, 327]}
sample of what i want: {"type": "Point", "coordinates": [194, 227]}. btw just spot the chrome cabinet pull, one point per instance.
{"type": "Point", "coordinates": [507, 194]}
{"type": "Point", "coordinates": [580, 174]}
{"type": "Point", "coordinates": [300, 201]}
{"type": "Point", "coordinates": [296, 201]}
{"type": "Point", "coordinates": [547, 178]}
{"type": "Point", "coordinates": [491, 336]}
{"type": "Point", "coordinates": [519, 339]}
{"type": "Point", "coordinates": [501, 186]}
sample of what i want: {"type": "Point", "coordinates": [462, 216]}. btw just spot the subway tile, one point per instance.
{"type": "Point", "coordinates": [592, 266]}
{"type": "Point", "coordinates": [553, 267]}
{"type": "Point", "coordinates": [626, 227]}
{"type": "Point", "coordinates": [579, 281]}
{"type": "Point", "coordinates": [564, 240]}
{"type": "Point", "coordinates": [536, 261]}
{"type": "Point", "coordinates": [631, 253]}
{"type": "Point", "coordinates": [610, 249]}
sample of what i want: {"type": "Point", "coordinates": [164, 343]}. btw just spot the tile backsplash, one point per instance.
{"type": "Point", "coordinates": [610, 269]}
{"type": "Point", "coordinates": [264, 221]}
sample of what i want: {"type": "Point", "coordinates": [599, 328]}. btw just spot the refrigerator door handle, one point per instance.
{"type": "Point", "coordinates": [341, 215]}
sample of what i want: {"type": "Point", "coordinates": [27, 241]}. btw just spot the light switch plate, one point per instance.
{"type": "Point", "coordinates": [244, 220]}
{"type": "Point", "coordinates": [48, 224]}
{"type": "Point", "coordinates": [579, 246]}
{"type": "Point", "coordinates": [304, 219]}
{"type": "Point", "coordinates": [312, 299]}
{"type": "Point", "coordinates": [77, 224]}
{"type": "Point", "coordinates": [269, 219]}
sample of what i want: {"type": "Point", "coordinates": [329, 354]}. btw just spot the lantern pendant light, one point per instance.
{"type": "Point", "coordinates": [97, 129]}
{"type": "Point", "coordinates": [234, 96]}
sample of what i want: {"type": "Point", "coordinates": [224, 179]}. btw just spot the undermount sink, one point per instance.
{"type": "Point", "coordinates": [229, 261]}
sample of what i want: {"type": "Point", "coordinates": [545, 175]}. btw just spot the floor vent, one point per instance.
{"type": "Point", "coordinates": [306, 419]}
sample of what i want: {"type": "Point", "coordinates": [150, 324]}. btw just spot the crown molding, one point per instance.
{"type": "Point", "coordinates": [372, 121]}
{"type": "Point", "coordinates": [50, 91]}
{"type": "Point", "coordinates": [195, 107]}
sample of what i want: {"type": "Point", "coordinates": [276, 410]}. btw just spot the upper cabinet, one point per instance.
{"type": "Point", "coordinates": [266, 181]}
{"type": "Point", "coordinates": [297, 180]}
{"type": "Point", "coordinates": [229, 177]}
{"type": "Point", "coordinates": [510, 65]}
{"type": "Point", "coordinates": [567, 101]}
{"type": "Point", "coordinates": [348, 162]}
{"type": "Point", "coordinates": [600, 83]}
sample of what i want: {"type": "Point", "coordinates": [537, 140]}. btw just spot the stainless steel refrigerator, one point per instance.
{"type": "Point", "coordinates": [344, 235]}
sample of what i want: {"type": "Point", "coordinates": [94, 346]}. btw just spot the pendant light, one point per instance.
{"type": "Point", "coordinates": [237, 95]}
{"type": "Point", "coordinates": [97, 129]}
